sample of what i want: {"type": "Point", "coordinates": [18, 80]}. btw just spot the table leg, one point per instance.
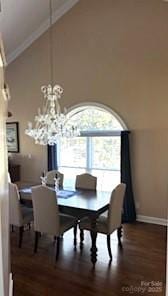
{"type": "Point", "coordinates": [93, 234]}
{"type": "Point", "coordinates": [81, 238]}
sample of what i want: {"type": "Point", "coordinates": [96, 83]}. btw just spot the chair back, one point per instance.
{"type": "Point", "coordinates": [115, 207]}
{"type": "Point", "coordinates": [45, 210]}
{"type": "Point", "coordinates": [15, 213]}
{"type": "Point", "coordinates": [51, 175]}
{"type": "Point", "coordinates": [86, 181]}
{"type": "Point", "coordinates": [9, 178]}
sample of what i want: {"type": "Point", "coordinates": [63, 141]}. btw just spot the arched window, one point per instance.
{"type": "Point", "coordinates": [96, 150]}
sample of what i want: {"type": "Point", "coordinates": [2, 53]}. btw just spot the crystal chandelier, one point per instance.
{"type": "Point", "coordinates": [50, 123]}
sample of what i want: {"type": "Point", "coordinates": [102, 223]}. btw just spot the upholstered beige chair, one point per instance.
{"type": "Point", "coordinates": [9, 178]}
{"type": "Point", "coordinates": [51, 175]}
{"type": "Point", "coordinates": [47, 218]}
{"type": "Point", "coordinates": [86, 181]}
{"type": "Point", "coordinates": [113, 221]}
{"type": "Point", "coordinates": [18, 215]}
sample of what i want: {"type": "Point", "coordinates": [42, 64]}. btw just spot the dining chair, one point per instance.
{"type": "Point", "coordinates": [47, 218]}
{"type": "Point", "coordinates": [9, 178]}
{"type": "Point", "coordinates": [19, 215]}
{"type": "Point", "coordinates": [51, 175]}
{"type": "Point", "coordinates": [86, 181]}
{"type": "Point", "coordinates": [107, 225]}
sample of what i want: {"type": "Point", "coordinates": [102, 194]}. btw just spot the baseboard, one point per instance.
{"type": "Point", "coordinates": [153, 220]}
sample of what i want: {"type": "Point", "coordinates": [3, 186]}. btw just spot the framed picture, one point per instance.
{"type": "Point", "coordinates": [12, 136]}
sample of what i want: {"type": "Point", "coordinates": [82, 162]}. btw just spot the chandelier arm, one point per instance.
{"type": "Point", "coordinates": [46, 106]}
{"type": "Point", "coordinates": [58, 107]}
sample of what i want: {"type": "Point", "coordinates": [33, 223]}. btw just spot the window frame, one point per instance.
{"type": "Point", "coordinates": [89, 134]}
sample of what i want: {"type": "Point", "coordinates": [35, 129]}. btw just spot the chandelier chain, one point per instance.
{"type": "Point", "coordinates": [51, 44]}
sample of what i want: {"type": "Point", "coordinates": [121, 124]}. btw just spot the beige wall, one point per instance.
{"type": "Point", "coordinates": [110, 52]}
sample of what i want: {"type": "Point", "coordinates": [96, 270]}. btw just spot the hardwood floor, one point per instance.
{"type": "Point", "coordinates": [140, 265]}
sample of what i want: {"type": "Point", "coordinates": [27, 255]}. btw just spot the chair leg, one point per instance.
{"type": "Point", "coordinates": [57, 248]}
{"type": "Point", "coordinates": [75, 235]}
{"type": "Point", "coordinates": [109, 246]}
{"type": "Point", "coordinates": [36, 241]}
{"type": "Point", "coordinates": [12, 228]}
{"type": "Point", "coordinates": [119, 235]}
{"type": "Point", "coordinates": [21, 229]}
{"type": "Point", "coordinates": [81, 238]}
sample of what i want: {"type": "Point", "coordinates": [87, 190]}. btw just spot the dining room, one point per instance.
{"type": "Point", "coordinates": [87, 81]}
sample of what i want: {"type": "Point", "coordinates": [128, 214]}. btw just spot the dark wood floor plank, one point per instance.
{"type": "Point", "coordinates": [142, 259]}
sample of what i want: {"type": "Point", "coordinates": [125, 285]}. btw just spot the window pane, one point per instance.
{"type": "Point", "coordinates": [106, 180]}
{"type": "Point", "coordinates": [70, 176]}
{"type": "Point", "coordinates": [106, 153]}
{"type": "Point", "coordinates": [73, 152]}
{"type": "Point", "coordinates": [91, 119]}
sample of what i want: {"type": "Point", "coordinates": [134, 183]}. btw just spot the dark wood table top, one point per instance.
{"type": "Point", "coordinates": [85, 200]}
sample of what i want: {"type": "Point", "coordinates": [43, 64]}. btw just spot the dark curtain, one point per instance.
{"type": "Point", "coordinates": [52, 157]}
{"type": "Point", "coordinates": [129, 213]}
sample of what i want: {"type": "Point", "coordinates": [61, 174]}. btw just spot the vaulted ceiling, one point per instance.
{"type": "Point", "coordinates": [23, 21]}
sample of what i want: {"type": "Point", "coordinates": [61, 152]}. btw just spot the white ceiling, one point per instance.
{"type": "Point", "coordinates": [23, 21]}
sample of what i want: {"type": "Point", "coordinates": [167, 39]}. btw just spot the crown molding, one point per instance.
{"type": "Point", "coordinates": [42, 29]}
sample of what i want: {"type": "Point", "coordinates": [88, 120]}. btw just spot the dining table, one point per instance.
{"type": "Point", "coordinates": [78, 203]}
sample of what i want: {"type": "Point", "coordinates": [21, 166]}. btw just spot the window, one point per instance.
{"type": "Point", "coordinates": [96, 150]}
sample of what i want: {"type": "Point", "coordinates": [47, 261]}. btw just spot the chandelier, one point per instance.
{"type": "Point", "coordinates": [50, 123]}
